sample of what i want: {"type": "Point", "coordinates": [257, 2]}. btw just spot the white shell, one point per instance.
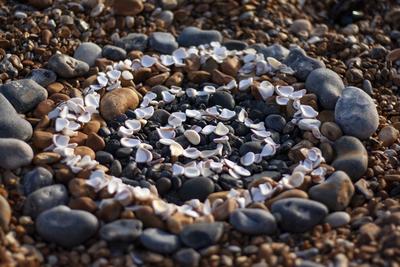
{"type": "Point", "coordinates": [285, 91]}
{"type": "Point", "coordinates": [241, 171]}
{"type": "Point", "coordinates": [143, 155]}
{"type": "Point", "coordinates": [192, 172]}
{"type": "Point", "coordinates": [102, 80]}
{"type": "Point", "coordinates": [191, 153]}
{"type": "Point", "coordinates": [178, 169]}
{"type": "Point", "coordinates": [127, 75]}
{"type": "Point", "coordinates": [92, 100]}
{"type": "Point", "coordinates": [61, 124]}
{"type": "Point", "coordinates": [130, 142]}
{"type": "Point", "coordinates": [167, 97]}
{"type": "Point", "coordinates": [144, 113]}
{"type": "Point", "coordinates": [226, 114]}
{"type": "Point", "coordinates": [192, 113]}
{"type": "Point", "coordinates": [134, 125]}
{"type": "Point", "coordinates": [245, 84]}
{"type": "Point", "coordinates": [114, 75]}
{"type": "Point", "coordinates": [60, 140]}
{"type": "Point", "coordinates": [308, 112]}
{"type": "Point", "coordinates": [125, 132]}
{"type": "Point", "coordinates": [221, 140]}
{"type": "Point", "coordinates": [209, 89]}
{"type": "Point", "coordinates": [266, 89]}
{"type": "Point", "coordinates": [221, 129]}
{"type": "Point", "coordinates": [191, 92]}
{"type": "Point", "coordinates": [148, 61]}
{"type": "Point", "coordinates": [248, 159]}
{"type": "Point", "coordinates": [167, 60]}
{"type": "Point", "coordinates": [192, 136]}
{"type": "Point", "coordinates": [208, 129]}
{"type": "Point", "coordinates": [141, 194]}
{"type": "Point", "coordinates": [176, 119]}
{"type": "Point", "coordinates": [85, 117]}
{"type": "Point", "coordinates": [166, 133]}
{"type": "Point", "coordinates": [124, 196]}
{"type": "Point", "coordinates": [268, 150]}
{"type": "Point", "coordinates": [308, 124]}
{"type": "Point", "coordinates": [282, 100]}
{"type": "Point", "coordinates": [176, 149]}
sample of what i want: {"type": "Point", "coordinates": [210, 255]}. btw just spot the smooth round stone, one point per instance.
{"type": "Point", "coordinates": [104, 157]}
{"type": "Point", "coordinates": [127, 7]}
{"type": "Point", "coordinates": [88, 52]}
{"type": "Point", "coordinates": [117, 102]}
{"type": "Point", "coordinates": [42, 76]}
{"type": "Point", "coordinates": [45, 198]}
{"type": "Point", "coordinates": [67, 67]}
{"type": "Point", "coordinates": [302, 64]}
{"type": "Point", "coordinates": [124, 230]}
{"type": "Point", "coordinates": [331, 130]}
{"type": "Point", "coordinates": [223, 99]}
{"type": "Point", "coordinates": [133, 41]}
{"type": "Point", "coordinates": [201, 235]}
{"type": "Point", "coordinates": [337, 219]}
{"type": "Point", "coordinates": [113, 52]}
{"type": "Point", "coordinates": [336, 192]}
{"type": "Point", "coordinates": [166, 16]}
{"type": "Point", "coordinates": [356, 113]}
{"type": "Point", "coordinates": [275, 122]}
{"type": "Point", "coordinates": [160, 241]}
{"type": "Point", "coordinates": [66, 227]}
{"type": "Point", "coordinates": [158, 89]}
{"type": "Point", "coordinates": [327, 85]}
{"type": "Point", "coordinates": [196, 188]}
{"type": "Point", "coordinates": [298, 215]}
{"type": "Point", "coordinates": [163, 185]}
{"type": "Point", "coordinates": [161, 116]}
{"type": "Point", "coordinates": [352, 157]}
{"type": "Point", "coordinates": [24, 94]}
{"type": "Point", "coordinates": [163, 42]}
{"type": "Point", "coordinates": [252, 146]}
{"type": "Point", "coordinates": [14, 153]}
{"type": "Point", "coordinates": [253, 221]}
{"type": "Point", "coordinates": [36, 179]}
{"type": "Point", "coordinates": [5, 213]}
{"type": "Point", "coordinates": [388, 135]}
{"type": "Point", "coordinates": [192, 36]}
{"type": "Point", "coordinates": [276, 51]}
{"type": "Point", "coordinates": [11, 124]}
{"type": "Point", "coordinates": [235, 45]}
{"type": "Point", "coordinates": [300, 25]}
{"type": "Point", "coordinates": [187, 257]}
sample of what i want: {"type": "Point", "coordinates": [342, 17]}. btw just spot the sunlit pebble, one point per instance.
{"type": "Point", "coordinates": [192, 136]}
{"type": "Point", "coordinates": [274, 63]}
{"type": "Point", "coordinates": [161, 208]}
{"type": "Point", "coordinates": [176, 149]}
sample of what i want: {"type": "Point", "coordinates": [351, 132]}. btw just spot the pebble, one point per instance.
{"type": "Point", "coordinates": [352, 157]}
{"type": "Point", "coordinates": [24, 94]}
{"type": "Point", "coordinates": [66, 227]}
{"type": "Point", "coordinates": [253, 221]}
{"type": "Point", "coordinates": [356, 113]}
{"type": "Point", "coordinates": [167, 16]}
{"type": "Point", "coordinates": [5, 213]}
{"type": "Point", "coordinates": [36, 179]}
{"type": "Point", "coordinates": [161, 116]}
{"type": "Point", "coordinates": [67, 67]}
{"type": "Point", "coordinates": [337, 219]}
{"type": "Point", "coordinates": [42, 76]}
{"type": "Point", "coordinates": [223, 99]}
{"type": "Point", "coordinates": [336, 192]}
{"type": "Point", "coordinates": [276, 51]}
{"type": "Point", "coordinates": [133, 41]}
{"type": "Point", "coordinates": [388, 135]}
{"type": "Point", "coordinates": [45, 198]}
{"type": "Point", "coordinates": [331, 130]}
{"type": "Point", "coordinates": [11, 124]}
{"type": "Point", "coordinates": [298, 215]}
{"type": "Point", "coordinates": [127, 7]}
{"type": "Point", "coordinates": [88, 52]}
{"type": "Point", "coordinates": [41, 3]}
{"type": "Point", "coordinates": [163, 42]}
{"type": "Point", "coordinates": [187, 257]}
{"type": "Point", "coordinates": [275, 122]}
{"type": "Point", "coordinates": [123, 230]}
{"type": "Point", "coordinates": [327, 85]}
{"type": "Point", "coordinates": [114, 52]}
{"type": "Point", "coordinates": [117, 102]}
{"type": "Point", "coordinates": [302, 64]}
{"type": "Point", "coordinates": [192, 36]}
{"type": "Point", "coordinates": [160, 241]}
{"type": "Point", "coordinates": [235, 45]}
{"type": "Point", "coordinates": [252, 146]}
{"type": "Point", "coordinates": [196, 188]}
{"type": "Point", "coordinates": [201, 235]}
{"type": "Point", "coordinates": [14, 153]}
{"type": "Point", "coordinates": [300, 25]}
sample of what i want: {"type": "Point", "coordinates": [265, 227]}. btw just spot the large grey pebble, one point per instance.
{"type": "Point", "coordinates": [337, 219]}
{"type": "Point", "coordinates": [124, 230]}
{"type": "Point", "coordinates": [7, 67]}
{"type": "Point", "coordinates": [133, 41]}
{"type": "Point", "coordinates": [223, 99]}
{"type": "Point", "coordinates": [88, 52]}
{"type": "Point", "coordinates": [114, 52]}
{"type": "Point", "coordinates": [187, 257]}
{"type": "Point", "coordinates": [36, 179]}
{"type": "Point", "coordinates": [351, 157]}
{"type": "Point", "coordinates": [43, 77]}
{"type": "Point", "coordinates": [201, 235]}
{"type": "Point", "coordinates": [298, 215]}
{"type": "Point", "coordinates": [327, 85]}
{"type": "Point", "coordinates": [45, 198]}
{"type": "Point", "coordinates": [160, 241]}
{"type": "Point", "coordinates": [196, 188]}
{"type": "Point", "coordinates": [253, 221]}
{"type": "Point", "coordinates": [276, 51]}
{"type": "Point", "coordinates": [163, 42]}
{"type": "Point", "coordinates": [14, 153]}
{"type": "Point", "coordinates": [67, 67]}
{"type": "Point", "coordinates": [302, 64]}
{"type": "Point", "coordinates": [11, 124]}
{"type": "Point", "coordinates": [192, 36]}
{"type": "Point", "coordinates": [235, 45]}
{"type": "Point", "coordinates": [356, 113]}
{"type": "Point", "coordinates": [24, 94]}
{"type": "Point", "coordinates": [336, 192]}
{"type": "Point", "coordinates": [66, 227]}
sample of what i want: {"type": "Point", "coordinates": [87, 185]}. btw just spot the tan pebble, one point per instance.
{"type": "Point", "coordinates": [95, 142]}
{"type": "Point", "coordinates": [84, 174]}
{"type": "Point", "coordinates": [204, 219]}
{"type": "Point", "coordinates": [127, 7]}
{"type": "Point", "coordinates": [177, 221]}
{"type": "Point", "coordinates": [102, 63]}
{"type": "Point", "coordinates": [231, 66]}
{"type": "Point", "coordinates": [80, 138]}
{"type": "Point", "coordinates": [199, 76]}
{"type": "Point", "coordinates": [46, 158]}
{"type": "Point", "coordinates": [117, 102]}
{"type": "Point", "coordinates": [393, 55]}
{"type": "Point", "coordinates": [78, 188]}
{"type": "Point", "coordinates": [43, 108]}
{"type": "Point", "coordinates": [63, 174]}
{"type": "Point", "coordinates": [221, 212]}
{"type": "Point", "coordinates": [97, 117]}
{"type": "Point", "coordinates": [91, 127]}
{"type": "Point", "coordinates": [148, 218]}
{"type": "Point", "coordinates": [5, 213]}
{"type": "Point", "coordinates": [388, 135]}
{"type": "Point", "coordinates": [218, 195]}
{"type": "Point", "coordinates": [42, 139]}
{"type": "Point", "coordinates": [54, 88]}
{"type": "Point", "coordinates": [175, 79]}
{"type": "Point", "coordinates": [300, 25]}
{"type": "Point", "coordinates": [287, 194]}
{"type": "Point", "coordinates": [41, 3]}
{"type": "Point", "coordinates": [109, 210]}
{"type": "Point", "coordinates": [43, 123]}
{"type": "Point", "coordinates": [141, 75]}
{"type": "Point", "coordinates": [157, 79]}
{"type": "Point", "coordinates": [326, 116]}
{"type": "Point", "coordinates": [89, 81]}
{"type": "Point", "coordinates": [59, 97]}
{"type": "Point", "coordinates": [46, 35]}
{"type": "Point", "coordinates": [220, 78]}
{"type": "Point", "coordinates": [84, 151]}
{"type": "Point", "coordinates": [392, 177]}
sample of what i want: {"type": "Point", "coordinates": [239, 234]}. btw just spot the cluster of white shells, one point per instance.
{"type": "Point", "coordinates": [72, 114]}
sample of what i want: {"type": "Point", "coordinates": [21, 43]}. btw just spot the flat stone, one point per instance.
{"type": "Point", "coordinates": [67, 67]}
{"type": "Point", "coordinates": [388, 135]}
{"type": "Point", "coordinates": [276, 51]}
{"type": "Point", "coordinates": [66, 227]}
{"type": "Point", "coordinates": [223, 99]}
{"type": "Point", "coordinates": [302, 64]}
{"type": "Point", "coordinates": [163, 42]}
{"type": "Point", "coordinates": [235, 45]}
{"type": "Point", "coordinates": [44, 199]}
{"type": "Point", "coordinates": [298, 215]}
{"type": "Point", "coordinates": [133, 41]}
{"type": "Point", "coordinates": [275, 122]}
{"type": "Point", "coordinates": [114, 52]}
{"type": "Point", "coordinates": [337, 219]}
{"type": "Point", "coordinates": [356, 113]}
{"type": "Point", "coordinates": [201, 235]}
{"type": "Point", "coordinates": [160, 241]}
{"type": "Point", "coordinates": [123, 230]}
{"type": "Point", "coordinates": [187, 257]}
{"type": "Point", "coordinates": [161, 116]}
{"type": "Point", "coordinates": [252, 146]}
{"type": "Point", "coordinates": [253, 221]}
{"type": "Point", "coordinates": [14, 153]}
{"type": "Point", "coordinates": [117, 102]}
{"type": "Point", "coordinates": [192, 36]}
{"type": "Point", "coordinates": [127, 7]}
{"type": "Point", "coordinates": [5, 213]}
{"type": "Point", "coordinates": [36, 179]}
{"type": "Point", "coordinates": [88, 52]}
{"type": "Point", "coordinates": [43, 77]}
{"type": "Point", "coordinates": [196, 188]}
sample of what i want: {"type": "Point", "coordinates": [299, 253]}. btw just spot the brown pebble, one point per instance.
{"type": "Point", "coordinates": [5, 213]}
{"type": "Point", "coordinates": [388, 135]}
{"type": "Point", "coordinates": [288, 194]}
{"type": "Point", "coordinates": [199, 76]}
{"type": "Point", "coordinates": [177, 221]}
{"type": "Point", "coordinates": [91, 127]}
{"type": "Point", "coordinates": [78, 188]}
{"type": "Point", "coordinates": [45, 158]}
{"type": "Point", "coordinates": [95, 142]}
{"type": "Point", "coordinates": [127, 7]}
{"type": "Point", "coordinates": [54, 88]}
{"type": "Point", "coordinates": [331, 130]}
{"type": "Point", "coordinates": [157, 79]}
{"type": "Point", "coordinates": [231, 66]}
{"type": "Point", "coordinates": [148, 218]}
{"type": "Point", "coordinates": [84, 151]}
{"type": "Point", "coordinates": [83, 203]}
{"type": "Point", "coordinates": [80, 138]}
{"type": "Point", "coordinates": [109, 210]}
{"type": "Point", "coordinates": [117, 102]}
{"type": "Point", "coordinates": [43, 108]}
{"type": "Point", "coordinates": [42, 139]}
{"type": "Point", "coordinates": [222, 211]}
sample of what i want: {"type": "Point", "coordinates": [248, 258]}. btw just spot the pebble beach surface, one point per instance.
{"type": "Point", "coordinates": [226, 133]}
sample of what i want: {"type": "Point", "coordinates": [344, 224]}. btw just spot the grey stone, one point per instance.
{"type": "Point", "coordinates": [24, 94]}
{"type": "Point", "coordinates": [351, 157]}
{"type": "Point", "coordinates": [133, 41]}
{"type": "Point", "coordinates": [187, 257]}
{"type": "Point", "coordinates": [67, 67]}
{"type": "Point", "coordinates": [276, 51]}
{"type": "Point", "coordinates": [7, 67]}
{"type": "Point", "coordinates": [336, 192]}
{"type": "Point", "coordinates": [160, 241]}
{"type": "Point", "coordinates": [196, 188]}
{"type": "Point", "coordinates": [253, 221]}
{"type": "Point", "coordinates": [36, 179]}
{"type": "Point", "coordinates": [163, 42]}
{"type": "Point", "coordinates": [302, 64]}
{"type": "Point", "coordinates": [201, 235]}
{"type": "Point", "coordinates": [192, 36]}
{"type": "Point", "coordinates": [88, 52]}
{"type": "Point", "coordinates": [43, 77]}
{"type": "Point", "coordinates": [252, 146]}
{"type": "Point", "coordinates": [14, 153]}
{"type": "Point", "coordinates": [235, 45]}
{"type": "Point", "coordinates": [114, 52]}
{"type": "Point", "coordinates": [327, 85]}
{"type": "Point", "coordinates": [124, 230]}
{"type": "Point", "coordinates": [11, 124]}
{"type": "Point", "coordinates": [337, 219]}
{"type": "Point", "coordinates": [356, 113]}
{"type": "Point", "coordinates": [66, 227]}
{"type": "Point", "coordinates": [45, 198]}
{"type": "Point", "coordinates": [275, 122]}
{"type": "Point", "coordinates": [298, 215]}
{"type": "Point", "coordinates": [167, 16]}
